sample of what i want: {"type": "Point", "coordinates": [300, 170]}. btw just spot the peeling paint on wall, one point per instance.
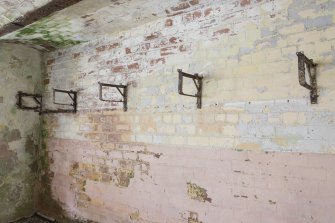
{"type": "Point", "coordinates": [135, 216]}
{"type": "Point", "coordinates": [123, 177]}
{"type": "Point", "coordinates": [193, 218]}
{"type": "Point", "coordinates": [196, 192]}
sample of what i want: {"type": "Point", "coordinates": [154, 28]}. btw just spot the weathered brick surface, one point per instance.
{"type": "Point", "coordinates": [165, 184]}
{"type": "Point", "coordinates": [163, 160]}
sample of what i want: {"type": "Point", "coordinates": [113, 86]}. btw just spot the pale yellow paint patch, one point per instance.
{"type": "Point", "coordinates": [249, 146]}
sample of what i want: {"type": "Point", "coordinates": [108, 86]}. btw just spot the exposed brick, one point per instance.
{"type": "Point", "coordinates": [107, 47]}
{"type": "Point", "coordinates": [173, 40]}
{"type": "Point", "coordinates": [134, 66]}
{"type": "Point", "coordinates": [181, 6]}
{"type": "Point", "coordinates": [197, 14]}
{"type": "Point", "coordinates": [112, 62]}
{"type": "Point", "coordinates": [154, 35]}
{"type": "Point", "coordinates": [208, 11]}
{"type": "Point", "coordinates": [244, 2]}
{"type": "Point", "coordinates": [221, 31]}
{"type": "Point", "coordinates": [168, 50]}
{"type": "Point", "coordinates": [157, 61]}
{"type": "Point", "coordinates": [76, 55]}
{"type": "Point", "coordinates": [128, 50]}
{"type": "Point", "coordinates": [101, 48]}
{"type": "Point", "coordinates": [50, 61]}
{"type": "Point", "coordinates": [194, 2]}
{"type": "Point", "coordinates": [168, 22]}
{"type": "Point", "coordinates": [118, 69]}
{"type": "Point", "coordinates": [113, 45]}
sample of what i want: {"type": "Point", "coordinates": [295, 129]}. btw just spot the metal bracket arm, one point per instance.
{"type": "Point", "coordinates": [37, 98]}
{"type": "Point", "coordinates": [197, 82]}
{"type": "Point", "coordinates": [71, 94]}
{"type": "Point", "coordinates": [118, 87]}
{"type": "Point", "coordinates": [303, 63]}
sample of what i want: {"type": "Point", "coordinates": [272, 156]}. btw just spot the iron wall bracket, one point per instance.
{"type": "Point", "coordinates": [123, 93]}
{"type": "Point", "coordinates": [197, 82]}
{"type": "Point", "coordinates": [37, 98]}
{"type": "Point", "coordinates": [39, 107]}
{"type": "Point", "coordinates": [73, 97]}
{"type": "Point", "coordinates": [303, 62]}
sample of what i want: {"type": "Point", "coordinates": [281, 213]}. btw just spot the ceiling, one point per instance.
{"type": "Point", "coordinates": [10, 10]}
{"type": "Point", "coordinates": [83, 21]}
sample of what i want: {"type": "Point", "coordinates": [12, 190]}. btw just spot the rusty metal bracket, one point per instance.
{"type": "Point", "coordinates": [118, 87]}
{"type": "Point", "coordinates": [197, 82]}
{"type": "Point", "coordinates": [71, 94]}
{"type": "Point", "coordinates": [37, 98]}
{"type": "Point", "coordinates": [304, 62]}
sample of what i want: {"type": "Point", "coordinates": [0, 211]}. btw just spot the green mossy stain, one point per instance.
{"type": "Point", "coordinates": [5, 187]}
{"type": "Point", "coordinates": [47, 33]}
{"type": "Point", "coordinates": [24, 209]}
{"type": "Point", "coordinates": [17, 184]}
{"type": "Point", "coordinates": [31, 146]}
{"type": "Point", "coordinates": [15, 62]}
{"type": "Point", "coordinates": [18, 197]}
{"type": "Point", "coordinates": [9, 135]}
{"type": "Point", "coordinates": [46, 204]}
{"type": "Point", "coordinates": [13, 110]}
{"type": "Point", "coordinates": [4, 132]}
{"type": "Point", "coordinates": [43, 131]}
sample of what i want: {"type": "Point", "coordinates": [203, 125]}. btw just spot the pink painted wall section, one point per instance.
{"type": "Point", "coordinates": [149, 183]}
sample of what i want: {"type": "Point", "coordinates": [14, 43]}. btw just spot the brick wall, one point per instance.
{"type": "Point", "coordinates": [165, 161]}
{"type": "Point", "coordinates": [151, 183]}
